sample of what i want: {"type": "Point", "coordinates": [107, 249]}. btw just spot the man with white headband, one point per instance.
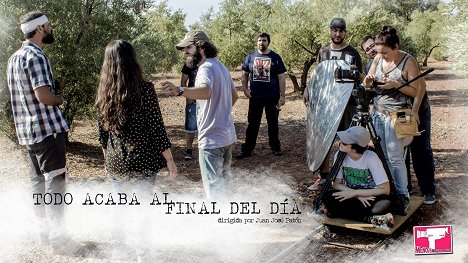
{"type": "Point", "coordinates": [41, 127]}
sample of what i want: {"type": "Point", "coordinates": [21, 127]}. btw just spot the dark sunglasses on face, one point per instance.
{"type": "Point", "coordinates": [344, 144]}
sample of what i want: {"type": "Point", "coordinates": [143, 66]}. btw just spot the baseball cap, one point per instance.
{"type": "Point", "coordinates": [192, 37]}
{"type": "Point", "coordinates": [355, 134]}
{"type": "Point", "coordinates": [338, 23]}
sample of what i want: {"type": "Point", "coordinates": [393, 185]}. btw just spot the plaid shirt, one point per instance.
{"type": "Point", "coordinates": [27, 70]}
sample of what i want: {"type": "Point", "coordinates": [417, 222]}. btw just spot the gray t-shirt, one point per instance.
{"type": "Point", "coordinates": [214, 119]}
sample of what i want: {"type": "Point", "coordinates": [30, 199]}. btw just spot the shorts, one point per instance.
{"type": "Point", "coordinates": [48, 157]}
{"type": "Point", "coordinates": [191, 117]}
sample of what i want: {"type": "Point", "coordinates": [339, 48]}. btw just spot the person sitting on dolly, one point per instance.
{"type": "Point", "coordinates": [361, 188]}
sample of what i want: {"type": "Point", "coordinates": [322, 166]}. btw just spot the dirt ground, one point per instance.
{"type": "Point", "coordinates": [449, 101]}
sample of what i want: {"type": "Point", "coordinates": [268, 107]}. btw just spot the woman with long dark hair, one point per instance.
{"type": "Point", "coordinates": [131, 132]}
{"type": "Point", "coordinates": [393, 67]}
{"type": "Point", "coordinates": [131, 128]}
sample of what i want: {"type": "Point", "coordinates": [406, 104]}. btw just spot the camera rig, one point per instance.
{"type": "Point", "coordinates": [364, 98]}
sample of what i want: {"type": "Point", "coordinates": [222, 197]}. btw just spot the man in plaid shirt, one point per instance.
{"type": "Point", "coordinates": [41, 127]}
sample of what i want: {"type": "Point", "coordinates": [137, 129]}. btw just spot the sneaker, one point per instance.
{"type": "Point", "coordinates": [318, 185]}
{"type": "Point", "coordinates": [384, 221]}
{"type": "Point", "coordinates": [243, 155]}
{"type": "Point", "coordinates": [429, 199]}
{"type": "Point", "coordinates": [404, 202]}
{"type": "Point", "coordinates": [278, 152]}
{"type": "Point", "coordinates": [188, 154]}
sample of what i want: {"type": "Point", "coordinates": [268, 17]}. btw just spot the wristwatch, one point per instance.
{"type": "Point", "coordinates": [180, 90]}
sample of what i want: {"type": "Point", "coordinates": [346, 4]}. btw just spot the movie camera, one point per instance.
{"type": "Point", "coordinates": [362, 96]}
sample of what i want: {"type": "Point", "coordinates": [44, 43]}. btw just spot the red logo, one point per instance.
{"type": "Point", "coordinates": [433, 239]}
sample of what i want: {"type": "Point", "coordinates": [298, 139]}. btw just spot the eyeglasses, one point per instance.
{"type": "Point", "coordinates": [369, 48]}
{"type": "Point", "coordinates": [344, 144]}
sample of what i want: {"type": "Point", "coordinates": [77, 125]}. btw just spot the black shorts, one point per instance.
{"type": "Point", "coordinates": [48, 157]}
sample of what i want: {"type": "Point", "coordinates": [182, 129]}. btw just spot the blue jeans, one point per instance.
{"type": "Point", "coordinates": [215, 168]}
{"type": "Point", "coordinates": [393, 149]}
{"type": "Point", "coordinates": [191, 117]}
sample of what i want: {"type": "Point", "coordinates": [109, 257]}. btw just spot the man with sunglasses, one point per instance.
{"type": "Point", "coordinates": [340, 50]}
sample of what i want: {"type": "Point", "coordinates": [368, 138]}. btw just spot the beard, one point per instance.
{"type": "Point", "coordinates": [192, 60]}
{"type": "Point", "coordinates": [337, 42]}
{"type": "Point", "coordinates": [262, 48]}
{"type": "Point", "coordinates": [48, 38]}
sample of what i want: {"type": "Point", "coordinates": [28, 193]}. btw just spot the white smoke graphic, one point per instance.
{"type": "Point", "coordinates": [175, 237]}
{"type": "Point", "coordinates": [198, 237]}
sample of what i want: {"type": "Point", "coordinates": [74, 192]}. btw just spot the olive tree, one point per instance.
{"type": "Point", "coordinates": [82, 29]}
{"type": "Point", "coordinates": [456, 40]}
{"type": "Point", "coordinates": [425, 29]}
{"type": "Point", "coordinates": [157, 33]}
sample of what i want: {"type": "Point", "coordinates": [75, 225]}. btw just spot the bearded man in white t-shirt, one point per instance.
{"type": "Point", "coordinates": [215, 94]}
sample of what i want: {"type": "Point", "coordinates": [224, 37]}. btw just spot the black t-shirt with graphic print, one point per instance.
{"type": "Point", "coordinates": [326, 53]}
{"type": "Point", "coordinates": [264, 70]}
{"type": "Point", "coordinates": [348, 54]}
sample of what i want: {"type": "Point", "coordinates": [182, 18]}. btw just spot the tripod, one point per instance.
{"type": "Point", "coordinates": [363, 119]}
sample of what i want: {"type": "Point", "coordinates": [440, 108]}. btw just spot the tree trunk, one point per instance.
{"type": "Point", "coordinates": [293, 80]}
{"type": "Point", "coordinates": [428, 55]}
{"type": "Point", "coordinates": [89, 11]}
{"type": "Point", "coordinates": [305, 70]}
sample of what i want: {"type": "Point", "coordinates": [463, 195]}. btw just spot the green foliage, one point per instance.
{"type": "Point", "coordinates": [425, 30]}
{"type": "Point", "coordinates": [234, 27]}
{"type": "Point", "coordinates": [7, 126]}
{"type": "Point", "coordinates": [82, 30]}
{"type": "Point", "coordinates": [8, 42]}
{"type": "Point", "coordinates": [403, 9]}
{"type": "Point", "coordinates": [456, 39]}
{"type": "Point", "coordinates": [158, 33]}
{"type": "Point", "coordinates": [297, 28]}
